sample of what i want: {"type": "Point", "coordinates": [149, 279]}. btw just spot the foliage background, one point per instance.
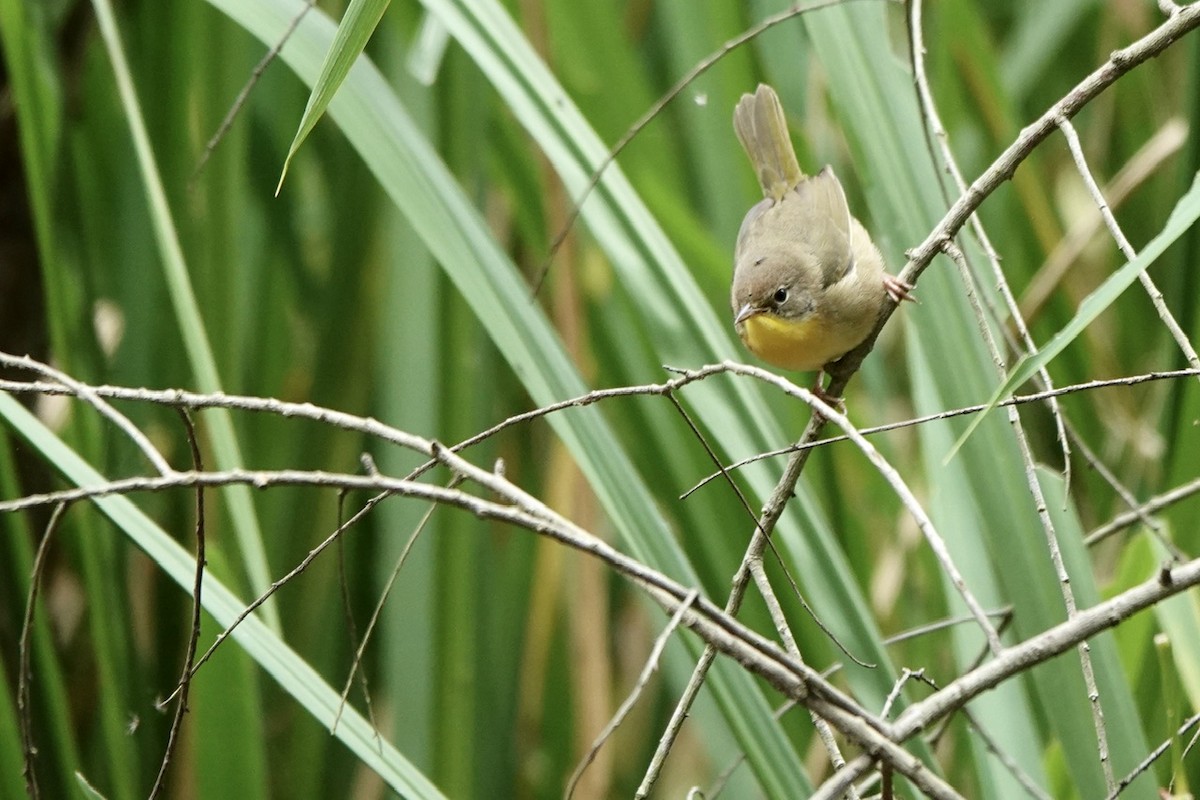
{"type": "Point", "coordinates": [499, 657]}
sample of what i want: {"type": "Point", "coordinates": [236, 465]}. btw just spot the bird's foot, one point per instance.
{"type": "Point", "coordinates": [897, 289]}
{"type": "Point", "coordinates": [831, 400]}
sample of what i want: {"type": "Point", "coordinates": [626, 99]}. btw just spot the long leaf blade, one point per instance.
{"type": "Point", "coordinates": [357, 25]}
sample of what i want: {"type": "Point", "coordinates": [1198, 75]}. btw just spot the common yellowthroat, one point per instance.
{"type": "Point", "coordinates": [808, 283]}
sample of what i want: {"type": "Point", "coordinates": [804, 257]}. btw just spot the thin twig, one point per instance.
{"type": "Point", "coordinates": [790, 677]}
{"type": "Point", "coordinates": [770, 516]}
{"type": "Point", "coordinates": [824, 731]}
{"type": "Point", "coordinates": [1136, 507]}
{"type": "Point", "coordinates": [648, 670]}
{"type": "Point", "coordinates": [764, 585]}
{"type": "Point", "coordinates": [1149, 760]}
{"type": "Point", "coordinates": [24, 670]}
{"type": "Point", "coordinates": [937, 734]}
{"type": "Point", "coordinates": [895, 480]}
{"type": "Point", "coordinates": [929, 109]}
{"type": "Point", "coordinates": [1184, 20]}
{"type": "Point", "coordinates": [1154, 504]}
{"type": "Point", "coordinates": [906, 675]}
{"type": "Point", "coordinates": [1052, 545]}
{"type": "Point", "coordinates": [1037, 397]}
{"type": "Point", "coordinates": [912, 633]}
{"type": "Point", "coordinates": [1019, 658]}
{"type": "Point", "coordinates": [370, 427]}
{"type": "Point", "coordinates": [1027, 783]}
{"type": "Point", "coordinates": [185, 681]}
{"type": "Point", "coordinates": [934, 123]}
{"type": "Point", "coordinates": [1048, 644]}
{"type": "Point", "coordinates": [680, 713]}
{"type": "Point", "coordinates": [771, 513]}
{"type": "Point", "coordinates": [1121, 490]}
{"type": "Point", "coordinates": [276, 585]}
{"type": "Point", "coordinates": [183, 399]}
{"type": "Point", "coordinates": [351, 625]}
{"type": "Point", "coordinates": [377, 612]}
{"type": "Point", "coordinates": [518, 509]}
{"type": "Point", "coordinates": [243, 95]}
{"type": "Point", "coordinates": [89, 396]}
{"type": "Point", "coordinates": [780, 670]}
{"type": "Point", "coordinates": [1165, 142]}
{"type": "Point", "coordinates": [933, 627]}
{"type": "Point", "coordinates": [1186, 749]}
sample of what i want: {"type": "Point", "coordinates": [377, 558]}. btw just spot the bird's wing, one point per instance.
{"type": "Point", "coordinates": [822, 222]}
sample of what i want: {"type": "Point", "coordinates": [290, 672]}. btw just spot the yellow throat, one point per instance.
{"type": "Point", "coordinates": [804, 344]}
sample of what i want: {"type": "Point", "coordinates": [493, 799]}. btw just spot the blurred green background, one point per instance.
{"type": "Point", "coordinates": [391, 278]}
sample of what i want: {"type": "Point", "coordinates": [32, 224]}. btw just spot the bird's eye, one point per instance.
{"type": "Point", "coordinates": [781, 295]}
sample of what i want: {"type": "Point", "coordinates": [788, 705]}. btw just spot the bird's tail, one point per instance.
{"type": "Point", "coordinates": [762, 129]}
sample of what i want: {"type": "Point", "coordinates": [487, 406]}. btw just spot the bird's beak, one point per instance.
{"type": "Point", "coordinates": [747, 311]}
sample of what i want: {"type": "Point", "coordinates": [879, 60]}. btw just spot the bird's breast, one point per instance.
{"type": "Point", "coordinates": [804, 344]}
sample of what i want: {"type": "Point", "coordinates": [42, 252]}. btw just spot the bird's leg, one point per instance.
{"type": "Point", "coordinates": [833, 402]}
{"type": "Point", "coordinates": [897, 289]}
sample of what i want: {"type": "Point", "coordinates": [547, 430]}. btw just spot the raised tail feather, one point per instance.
{"type": "Point", "coordinates": [762, 129]}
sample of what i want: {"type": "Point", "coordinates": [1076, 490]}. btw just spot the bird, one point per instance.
{"type": "Point", "coordinates": [808, 282]}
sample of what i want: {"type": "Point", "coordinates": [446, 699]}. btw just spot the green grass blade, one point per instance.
{"type": "Point", "coordinates": [357, 25]}
{"type": "Point", "coordinates": [86, 789]}
{"type": "Point", "coordinates": [413, 175]}
{"type": "Point", "coordinates": [876, 107]}
{"type": "Point", "coordinates": [191, 324]}
{"type": "Point", "coordinates": [1182, 218]}
{"type": "Point", "coordinates": [678, 317]}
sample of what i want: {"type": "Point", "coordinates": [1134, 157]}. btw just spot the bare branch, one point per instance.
{"type": "Point", "coordinates": [1165, 142]}
{"type": "Point", "coordinates": [934, 122]}
{"type": "Point", "coordinates": [894, 479]}
{"type": "Point", "coordinates": [256, 74]}
{"type": "Point", "coordinates": [1015, 400]}
{"type": "Point", "coordinates": [1052, 545]}
{"type": "Point", "coordinates": [1153, 505]}
{"type": "Point", "coordinates": [1019, 658]}
{"type": "Point", "coordinates": [87, 395]}
{"type": "Point", "coordinates": [1184, 20]}
{"type": "Point", "coordinates": [383, 596]}
{"type": "Point", "coordinates": [1149, 760]}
